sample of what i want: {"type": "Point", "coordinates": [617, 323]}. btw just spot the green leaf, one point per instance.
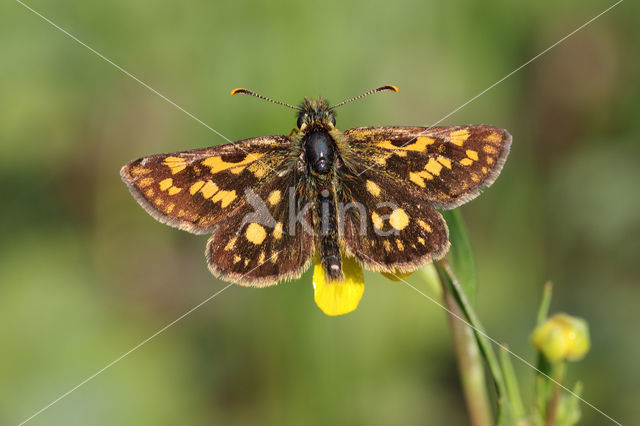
{"type": "Point", "coordinates": [511, 382]}
{"type": "Point", "coordinates": [543, 310]}
{"type": "Point", "coordinates": [454, 286]}
{"type": "Point", "coordinates": [543, 387]}
{"type": "Point", "coordinates": [460, 255]}
{"type": "Point", "coordinates": [569, 411]}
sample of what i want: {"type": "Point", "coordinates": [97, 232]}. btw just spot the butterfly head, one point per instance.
{"type": "Point", "coordinates": [315, 114]}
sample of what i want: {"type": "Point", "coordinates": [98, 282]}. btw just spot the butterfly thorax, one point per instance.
{"type": "Point", "coordinates": [316, 122]}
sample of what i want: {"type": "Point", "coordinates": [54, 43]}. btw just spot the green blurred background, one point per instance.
{"type": "Point", "coordinates": [86, 274]}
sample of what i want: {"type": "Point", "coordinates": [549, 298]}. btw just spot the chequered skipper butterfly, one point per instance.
{"type": "Point", "coordinates": [273, 202]}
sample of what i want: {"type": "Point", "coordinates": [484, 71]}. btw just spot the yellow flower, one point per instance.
{"type": "Point", "coordinates": [339, 298]}
{"type": "Point", "coordinates": [562, 337]}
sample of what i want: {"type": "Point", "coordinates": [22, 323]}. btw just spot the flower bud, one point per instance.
{"type": "Point", "coordinates": [562, 337]}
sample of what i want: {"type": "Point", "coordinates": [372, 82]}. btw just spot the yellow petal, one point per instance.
{"type": "Point", "coordinates": [338, 298]}
{"type": "Point", "coordinates": [396, 275]}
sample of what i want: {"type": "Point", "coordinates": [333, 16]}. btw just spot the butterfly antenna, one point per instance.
{"type": "Point", "coordinates": [370, 92]}
{"type": "Point", "coordinates": [257, 95]}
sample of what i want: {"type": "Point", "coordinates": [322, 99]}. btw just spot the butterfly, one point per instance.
{"type": "Point", "coordinates": [273, 203]}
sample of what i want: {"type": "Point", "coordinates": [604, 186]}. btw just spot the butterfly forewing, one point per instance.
{"type": "Point", "coordinates": [193, 190]}
{"type": "Point", "coordinates": [445, 165]}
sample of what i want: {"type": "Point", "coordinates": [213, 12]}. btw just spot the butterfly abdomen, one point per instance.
{"type": "Point", "coordinates": [326, 231]}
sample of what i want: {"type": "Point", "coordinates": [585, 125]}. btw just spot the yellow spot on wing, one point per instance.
{"type": "Point", "coordinates": [399, 219]}
{"type": "Point", "coordinates": [170, 208]}
{"type": "Point", "coordinates": [150, 192]}
{"type": "Point", "coordinates": [474, 177]}
{"type": "Point", "coordinates": [466, 161]}
{"type": "Point", "coordinates": [196, 187]}
{"type": "Point", "coordinates": [236, 259]}
{"type": "Point", "coordinates": [209, 189]}
{"type": "Point", "coordinates": [373, 188]}
{"type": "Point", "coordinates": [489, 160]}
{"type": "Point", "coordinates": [421, 240]}
{"type": "Point", "coordinates": [145, 182]}
{"type": "Point", "coordinates": [489, 149]}
{"type": "Point", "coordinates": [225, 198]}
{"type": "Point", "coordinates": [417, 179]}
{"type": "Point", "coordinates": [258, 169]}
{"type": "Point", "coordinates": [399, 245]}
{"type": "Point", "coordinates": [217, 164]}
{"type": "Point", "coordinates": [377, 222]}
{"type": "Point", "coordinates": [174, 190]}
{"type": "Point", "coordinates": [445, 162]}
{"type": "Point", "coordinates": [433, 167]}
{"type": "Point", "coordinates": [166, 184]}
{"type": "Point", "coordinates": [277, 231]}
{"type": "Point", "coordinates": [230, 244]}
{"type": "Point", "coordinates": [255, 233]}
{"type": "Point", "coordinates": [274, 197]}
{"type": "Point", "coordinates": [261, 258]}
{"type": "Point", "coordinates": [424, 226]}
{"type": "Point", "coordinates": [425, 140]}
{"type": "Point", "coordinates": [274, 257]}
{"type": "Point", "coordinates": [420, 145]}
{"type": "Point", "coordinates": [139, 171]}
{"type": "Point", "coordinates": [387, 245]}
{"type": "Point", "coordinates": [459, 136]}
{"type": "Point", "coordinates": [493, 137]}
{"type": "Point", "coordinates": [176, 164]}
{"type": "Point", "coordinates": [472, 154]}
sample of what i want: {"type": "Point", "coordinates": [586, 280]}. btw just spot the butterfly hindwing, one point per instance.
{"type": "Point", "coordinates": [446, 165]}
{"type": "Point", "coordinates": [268, 239]}
{"type": "Point", "coordinates": [193, 190]}
{"type": "Point", "coordinates": [388, 230]}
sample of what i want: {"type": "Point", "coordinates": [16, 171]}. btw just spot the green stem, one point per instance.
{"type": "Point", "coordinates": [469, 364]}
{"type": "Point", "coordinates": [552, 406]}
{"type": "Point", "coordinates": [449, 279]}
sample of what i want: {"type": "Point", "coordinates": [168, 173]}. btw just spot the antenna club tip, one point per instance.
{"type": "Point", "coordinates": [392, 87]}
{"type": "Point", "coordinates": [238, 90]}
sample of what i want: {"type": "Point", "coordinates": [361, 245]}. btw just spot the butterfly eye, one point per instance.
{"type": "Point", "coordinates": [333, 119]}
{"type": "Point", "coordinates": [300, 120]}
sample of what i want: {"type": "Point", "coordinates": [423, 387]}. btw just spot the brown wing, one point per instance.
{"type": "Point", "coordinates": [387, 229]}
{"type": "Point", "coordinates": [193, 190]}
{"type": "Point", "coordinates": [268, 239]}
{"type": "Point", "coordinates": [445, 165]}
